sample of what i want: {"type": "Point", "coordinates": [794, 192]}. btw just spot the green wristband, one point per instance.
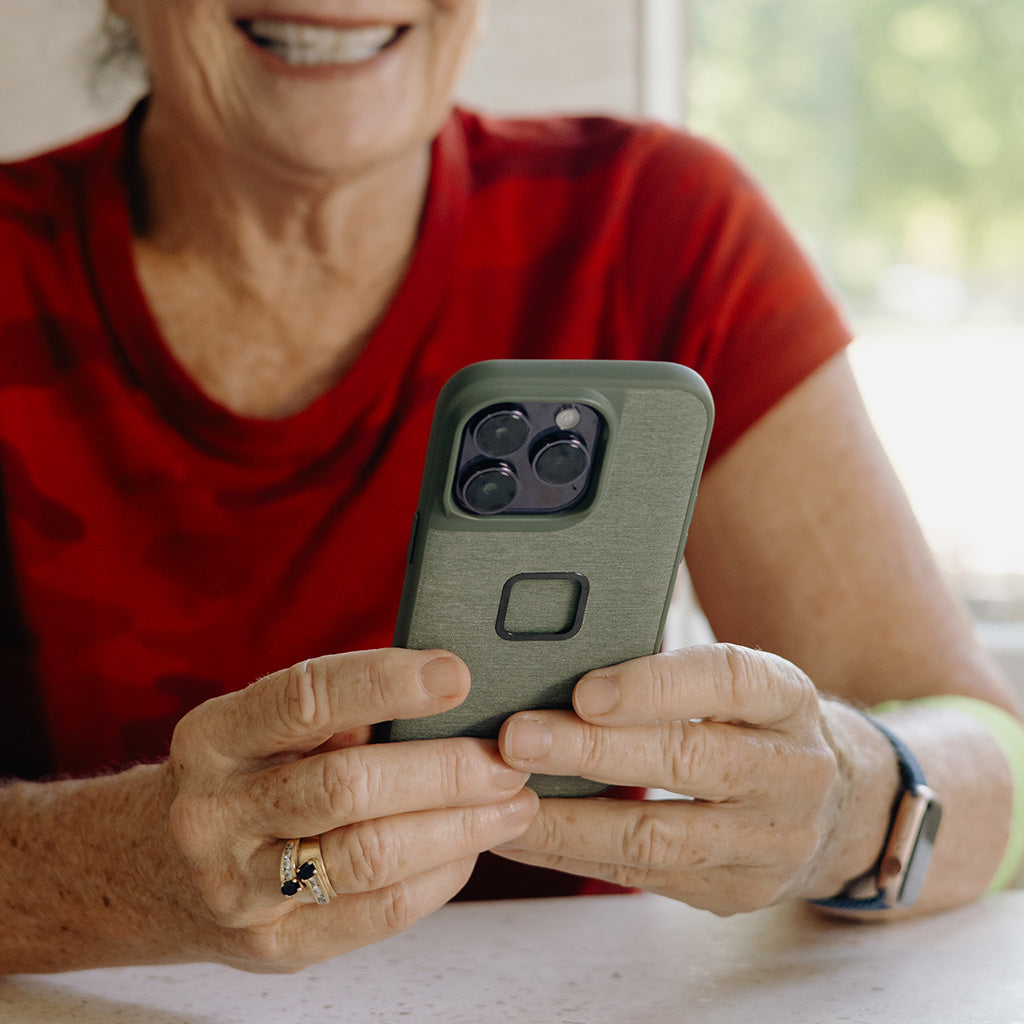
{"type": "Point", "coordinates": [1008, 732]}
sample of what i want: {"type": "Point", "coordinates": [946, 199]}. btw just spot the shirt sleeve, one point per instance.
{"type": "Point", "coordinates": [720, 284]}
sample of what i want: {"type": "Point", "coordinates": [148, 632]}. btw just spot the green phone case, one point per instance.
{"type": "Point", "coordinates": [531, 602]}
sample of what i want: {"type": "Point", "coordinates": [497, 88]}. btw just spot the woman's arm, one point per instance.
{"type": "Point", "coordinates": [802, 545]}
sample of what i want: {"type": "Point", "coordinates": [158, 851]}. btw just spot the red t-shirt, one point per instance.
{"type": "Point", "coordinates": [160, 550]}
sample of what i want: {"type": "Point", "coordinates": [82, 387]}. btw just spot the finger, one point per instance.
{"type": "Point", "coordinates": [312, 934]}
{"type": "Point", "coordinates": [641, 835]}
{"type": "Point", "coordinates": [721, 682]}
{"type": "Point", "coordinates": [616, 874]}
{"type": "Point", "coordinates": [706, 854]}
{"type": "Point", "coordinates": [724, 891]}
{"type": "Point", "coordinates": [299, 708]}
{"type": "Point", "coordinates": [376, 854]}
{"type": "Point", "coordinates": [708, 760]}
{"type": "Point", "coordinates": [327, 791]}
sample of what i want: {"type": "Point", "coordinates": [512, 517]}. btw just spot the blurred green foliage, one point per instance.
{"type": "Point", "coordinates": [889, 131]}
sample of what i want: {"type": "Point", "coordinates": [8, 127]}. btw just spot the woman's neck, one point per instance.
{"type": "Point", "coordinates": [267, 285]}
{"type": "Point", "coordinates": [194, 199]}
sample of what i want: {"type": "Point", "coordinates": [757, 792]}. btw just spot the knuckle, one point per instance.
{"type": "Point", "coordinates": [804, 699]}
{"type": "Point", "coordinates": [397, 908]}
{"type": "Point", "coordinates": [186, 736]}
{"type": "Point", "coordinates": [595, 751]}
{"type": "Point", "coordinates": [652, 842]}
{"type": "Point", "coordinates": [459, 770]}
{"type": "Point", "coordinates": [194, 739]}
{"type": "Point", "coordinates": [215, 877]}
{"type": "Point", "coordinates": [296, 700]}
{"type": "Point", "coordinates": [388, 678]}
{"type": "Point", "coordinates": [548, 833]}
{"type": "Point", "coordinates": [762, 680]}
{"type": "Point", "coordinates": [743, 670]}
{"type": "Point", "coordinates": [197, 821]}
{"type": "Point", "coordinates": [224, 903]}
{"type": "Point", "coordinates": [352, 787]}
{"type": "Point", "coordinates": [632, 877]}
{"type": "Point", "coordinates": [307, 698]}
{"type": "Point", "coordinates": [376, 677]}
{"type": "Point", "coordinates": [186, 823]}
{"type": "Point", "coordinates": [823, 770]}
{"type": "Point", "coordinates": [661, 678]}
{"type": "Point", "coordinates": [264, 951]}
{"type": "Point", "coordinates": [368, 857]}
{"type": "Point", "coordinates": [473, 830]}
{"type": "Point", "coordinates": [303, 703]}
{"type": "Point", "coordinates": [687, 749]}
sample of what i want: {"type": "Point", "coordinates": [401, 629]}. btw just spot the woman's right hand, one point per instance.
{"type": "Point", "coordinates": [290, 756]}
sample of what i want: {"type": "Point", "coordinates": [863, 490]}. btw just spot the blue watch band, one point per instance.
{"type": "Point", "coordinates": [912, 780]}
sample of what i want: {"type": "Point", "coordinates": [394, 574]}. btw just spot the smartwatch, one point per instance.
{"type": "Point", "coordinates": [897, 877]}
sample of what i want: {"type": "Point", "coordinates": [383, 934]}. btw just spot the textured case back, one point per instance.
{"type": "Point", "coordinates": [532, 602]}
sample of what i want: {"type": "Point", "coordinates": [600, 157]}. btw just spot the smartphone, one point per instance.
{"type": "Point", "coordinates": [553, 512]}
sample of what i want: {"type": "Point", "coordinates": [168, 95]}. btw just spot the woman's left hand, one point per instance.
{"type": "Point", "coordinates": [745, 741]}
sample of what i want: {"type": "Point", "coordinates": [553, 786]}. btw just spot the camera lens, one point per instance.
{"type": "Point", "coordinates": [489, 489]}
{"type": "Point", "coordinates": [560, 459]}
{"type": "Point", "coordinates": [502, 432]}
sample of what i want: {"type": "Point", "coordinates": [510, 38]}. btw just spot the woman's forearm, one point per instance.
{"type": "Point", "coordinates": [83, 873]}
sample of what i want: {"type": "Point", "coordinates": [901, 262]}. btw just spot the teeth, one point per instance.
{"type": "Point", "coordinates": [308, 45]}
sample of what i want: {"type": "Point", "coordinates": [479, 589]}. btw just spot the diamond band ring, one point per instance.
{"type": "Point", "coordinates": [303, 872]}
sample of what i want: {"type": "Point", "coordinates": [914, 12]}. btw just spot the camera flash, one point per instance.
{"type": "Point", "coordinates": [567, 417]}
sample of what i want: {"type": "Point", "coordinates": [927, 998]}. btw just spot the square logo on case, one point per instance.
{"type": "Point", "coordinates": [542, 606]}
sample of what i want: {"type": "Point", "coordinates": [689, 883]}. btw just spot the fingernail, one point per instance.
{"type": "Point", "coordinates": [521, 810]}
{"type": "Point", "coordinates": [442, 678]}
{"type": "Point", "coordinates": [509, 778]}
{"type": "Point", "coordinates": [527, 739]}
{"type": "Point", "coordinates": [596, 696]}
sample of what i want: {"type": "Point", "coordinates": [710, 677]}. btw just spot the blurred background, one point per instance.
{"type": "Point", "coordinates": [890, 133]}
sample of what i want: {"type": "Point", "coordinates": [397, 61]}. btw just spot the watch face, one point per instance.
{"type": "Point", "coordinates": [928, 814]}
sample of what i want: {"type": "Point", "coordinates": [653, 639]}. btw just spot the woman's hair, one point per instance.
{"type": "Point", "coordinates": [116, 59]}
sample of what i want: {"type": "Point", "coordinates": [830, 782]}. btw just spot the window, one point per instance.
{"type": "Point", "coordinates": [889, 133]}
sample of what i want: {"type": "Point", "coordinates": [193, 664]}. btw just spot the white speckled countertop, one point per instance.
{"type": "Point", "coordinates": [616, 959]}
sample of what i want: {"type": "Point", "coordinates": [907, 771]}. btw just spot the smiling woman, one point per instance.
{"type": "Point", "coordinates": [227, 319]}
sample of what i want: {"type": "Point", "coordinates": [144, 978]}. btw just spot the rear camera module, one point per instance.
{"type": "Point", "coordinates": [529, 457]}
